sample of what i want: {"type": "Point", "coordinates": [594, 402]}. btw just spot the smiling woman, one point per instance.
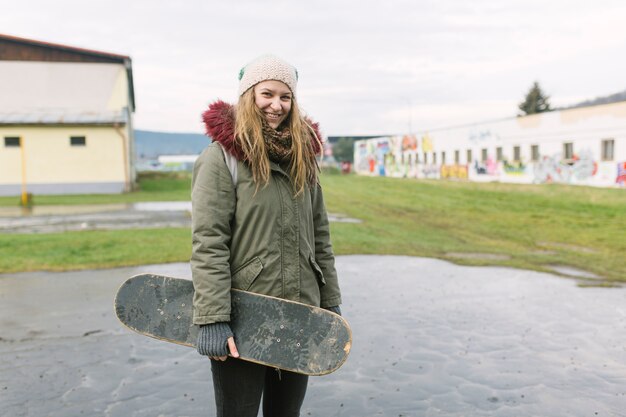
{"type": "Point", "coordinates": [264, 229]}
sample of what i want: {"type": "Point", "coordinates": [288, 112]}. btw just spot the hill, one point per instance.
{"type": "Point", "coordinates": [149, 145]}
{"type": "Point", "coordinates": [613, 98]}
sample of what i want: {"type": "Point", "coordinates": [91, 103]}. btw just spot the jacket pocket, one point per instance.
{"type": "Point", "coordinates": [244, 276]}
{"type": "Point", "coordinates": [318, 271]}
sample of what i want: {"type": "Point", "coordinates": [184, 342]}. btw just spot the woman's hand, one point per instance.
{"type": "Point", "coordinates": [232, 349]}
{"type": "Point", "coordinates": [216, 341]}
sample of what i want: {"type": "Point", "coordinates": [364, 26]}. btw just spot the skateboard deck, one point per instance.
{"type": "Point", "coordinates": [268, 330]}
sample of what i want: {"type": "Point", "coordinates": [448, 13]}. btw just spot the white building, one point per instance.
{"type": "Point", "coordinates": [65, 119]}
{"type": "Point", "coordinates": [585, 146]}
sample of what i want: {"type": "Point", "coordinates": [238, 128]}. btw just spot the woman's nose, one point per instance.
{"type": "Point", "coordinates": [276, 104]}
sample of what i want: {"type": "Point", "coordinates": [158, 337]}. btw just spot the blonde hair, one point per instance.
{"type": "Point", "coordinates": [303, 168]}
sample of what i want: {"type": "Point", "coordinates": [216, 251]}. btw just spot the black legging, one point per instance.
{"type": "Point", "coordinates": [239, 384]}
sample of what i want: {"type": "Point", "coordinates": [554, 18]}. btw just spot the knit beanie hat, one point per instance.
{"type": "Point", "coordinates": [267, 67]}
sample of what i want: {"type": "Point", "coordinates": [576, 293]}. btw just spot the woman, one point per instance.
{"type": "Point", "coordinates": [259, 224]}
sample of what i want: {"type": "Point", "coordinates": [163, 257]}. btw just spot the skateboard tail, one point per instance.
{"type": "Point", "coordinates": [148, 305]}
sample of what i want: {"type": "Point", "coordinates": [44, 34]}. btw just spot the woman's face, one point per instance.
{"type": "Point", "coordinates": [273, 98]}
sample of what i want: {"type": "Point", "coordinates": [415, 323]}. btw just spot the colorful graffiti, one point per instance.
{"type": "Point", "coordinates": [409, 143]}
{"type": "Point", "coordinates": [427, 143]}
{"type": "Point", "coordinates": [489, 167]}
{"type": "Point", "coordinates": [621, 174]}
{"type": "Point", "coordinates": [557, 170]}
{"type": "Point", "coordinates": [514, 168]}
{"type": "Point", "coordinates": [458, 172]}
{"type": "Point", "coordinates": [383, 156]}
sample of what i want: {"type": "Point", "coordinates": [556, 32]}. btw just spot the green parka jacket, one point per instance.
{"type": "Point", "coordinates": [266, 241]}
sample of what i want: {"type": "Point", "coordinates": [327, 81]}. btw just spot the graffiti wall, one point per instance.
{"type": "Point", "coordinates": [583, 146]}
{"type": "Point", "coordinates": [403, 157]}
{"type": "Point", "coordinates": [394, 156]}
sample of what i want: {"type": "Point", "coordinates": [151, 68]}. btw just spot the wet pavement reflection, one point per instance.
{"type": "Point", "coordinates": [430, 339]}
{"type": "Point", "coordinates": [143, 215]}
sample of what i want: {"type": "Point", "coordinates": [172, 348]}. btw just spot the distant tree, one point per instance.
{"type": "Point", "coordinates": [536, 101]}
{"type": "Point", "coordinates": [343, 150]}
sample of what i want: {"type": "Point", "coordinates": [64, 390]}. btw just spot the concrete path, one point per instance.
{"type": "Point", "coordinates": [430, 339]}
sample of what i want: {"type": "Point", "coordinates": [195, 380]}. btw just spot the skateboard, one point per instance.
{"type": "Point", "coordinates": [270, 331]}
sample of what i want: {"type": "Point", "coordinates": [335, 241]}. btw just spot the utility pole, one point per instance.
{"type": "Point", "coordinates": [25, 201]}
{"type": "Point", "coordinates": [410, 109]}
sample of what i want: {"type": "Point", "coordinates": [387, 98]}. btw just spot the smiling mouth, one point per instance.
{"type": "Point", "coordinates": [273, 116]}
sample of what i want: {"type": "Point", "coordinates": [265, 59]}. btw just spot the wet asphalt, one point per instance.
{"type": "Point", "coordinates": [430, 338]}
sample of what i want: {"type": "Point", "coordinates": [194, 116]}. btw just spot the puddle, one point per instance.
{"type": "Point", "coordinates": [60, 210]}
{"type": "Point", "coordinates": [342, 218]}
{"type": "Point", "coordinates": [162, 206]}
{"type": "Point", "coordinates": [573, 272]}
{"type": "Point", "coordinates": [543, 252]}
{"type": "Point", "coordinates": [486, 256]}
{"type": "Point", "coordinates": [142, 215]}
{"type": "Point", "coordinates": [567, 246]}
{"type": "Point", "coordinates": [94, 208]}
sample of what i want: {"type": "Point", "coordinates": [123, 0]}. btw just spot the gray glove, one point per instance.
{"type": "Point", "coordinates": [334, 309]}
{"type": "Point", "coordinates": [213, 339]}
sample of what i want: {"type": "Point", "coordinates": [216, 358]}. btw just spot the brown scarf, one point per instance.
{"type": "Point", "coordinates": [278, 143]}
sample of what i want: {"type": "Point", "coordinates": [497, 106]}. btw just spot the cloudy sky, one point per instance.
{"type": "Point", "coordinates": [366, 67]}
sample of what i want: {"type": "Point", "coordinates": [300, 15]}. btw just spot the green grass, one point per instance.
{"type": "Point", "coordinates": [533, 225]}
{"type": "Point", "coordinates": [93, 249]}
{"type": "Point", "coordinates": [153, 186]}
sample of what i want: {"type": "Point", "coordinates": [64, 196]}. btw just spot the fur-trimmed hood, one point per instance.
{"type": "Point", "coordinates": [219, 121]}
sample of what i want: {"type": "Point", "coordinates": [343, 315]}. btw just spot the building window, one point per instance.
{"type": "Point", "coordinates": [469, 156]}
{"type": "Point", "coordinates": [457, 157]}
{"type": "Point", "coordinates": [499, 153]}
{"type": "Point", "coordinates": [77, 141]}
{"type": "Point", "coordinates": [568, 150]}
{"type": "Point", "coordinates": [517, 154]}
{"type": "Point", "coordinates": [484, 155]}
{"type": "Point", "coordinates": [608, 145]}
{"type": "Point", "coordinates": [434, 157]}
{"type": "Point", "coordinates": [443, 158]}
{"type": "Point", "coordinates": [11, 141]}
{"type": "Point", "coordinates": [534, 152]}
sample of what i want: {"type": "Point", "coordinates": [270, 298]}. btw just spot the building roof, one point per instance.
{"type": "Point", "coordinates": [64, 118]}
{"type": "Point", "coordinates": [13, 48]}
